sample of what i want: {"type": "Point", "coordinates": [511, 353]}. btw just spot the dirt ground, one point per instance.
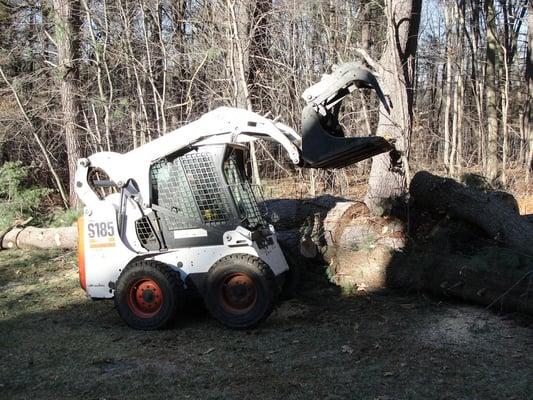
{"type": "Point", "coordinates": [56, 343]}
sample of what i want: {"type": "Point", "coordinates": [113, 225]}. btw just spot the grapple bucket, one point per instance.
{"type": "Point", "coordinates": [324, 144]}
{"type": "Point", "coordinates": [322, 149]}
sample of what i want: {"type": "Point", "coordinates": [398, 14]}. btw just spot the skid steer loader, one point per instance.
{"type": "Point", "coordinates": [179, 214]}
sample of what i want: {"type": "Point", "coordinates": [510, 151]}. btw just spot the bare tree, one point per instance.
{"type": "Point", "coordinates": [492, 95]}
{"type": "Point", "coordinates": [528, 115]}
{"type": "Point", "coordinates": [67, 27]}
{"type": "Point", "coordinates": [389, 172]}
{"type": "Point", "coordinates": [143, 68]}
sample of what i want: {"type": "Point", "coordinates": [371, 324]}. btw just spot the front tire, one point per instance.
{"type": "Point", "coordinates": [148, 295]}
{"type": "Point", "coordinates": [241, 291]}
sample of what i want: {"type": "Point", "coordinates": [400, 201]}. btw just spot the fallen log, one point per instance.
{"type": "Point", "coordinates": [448, 253]}
{"type": "Point", "coordinates": [355, 245]}
{"type": "Point", "coordinates": [495, 277]}
{"type": "Point", "coordinates": [453, 258]}
{"type": "Point", "coordinates": [22, 237]}
{"type": "Point", "coordinates": [491, 212]}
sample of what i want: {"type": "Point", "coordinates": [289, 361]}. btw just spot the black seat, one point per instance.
{"type": "Point", "coordinates": [324, 144]}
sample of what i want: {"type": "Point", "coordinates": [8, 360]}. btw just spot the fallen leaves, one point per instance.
{"type": "Point", "coordinates": [347, 349]}
{"type": "Point", "coordinates": [208, 351]}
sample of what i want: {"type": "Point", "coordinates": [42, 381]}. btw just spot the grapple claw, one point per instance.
{"type": "Point", "coordinates": [324, 144]}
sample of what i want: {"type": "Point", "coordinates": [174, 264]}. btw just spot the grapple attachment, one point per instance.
{"type": "Point", "coordinates": [324, 144]}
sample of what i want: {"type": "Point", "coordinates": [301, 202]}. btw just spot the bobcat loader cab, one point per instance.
{"type": "Point", "coordinates": [183, 215]}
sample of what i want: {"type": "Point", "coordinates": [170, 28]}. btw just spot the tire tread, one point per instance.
{"type": "Point", "coordinates": [264, 270]}
{"type": "Point", "coordinates": [171, 277]}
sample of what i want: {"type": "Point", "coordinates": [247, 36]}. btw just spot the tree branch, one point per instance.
{"type": "Point", "coordinates": [376, 66]}
{"type": "Point", "coordinates": [37, 138]}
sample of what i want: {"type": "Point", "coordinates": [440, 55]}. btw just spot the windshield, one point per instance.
{"type": "Point", "coordinates": [242, 191]}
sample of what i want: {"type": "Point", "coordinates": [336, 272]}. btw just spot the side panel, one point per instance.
{"type": "Point", "coordinates": [105, 254]}
{"type": "Point", "coordinates": [273, 256]}
{"type": "Point", "coordinates": [195, 262]}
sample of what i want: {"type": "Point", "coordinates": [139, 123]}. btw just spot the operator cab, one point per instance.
{"type": "Point", "coordinates": [197, 195]}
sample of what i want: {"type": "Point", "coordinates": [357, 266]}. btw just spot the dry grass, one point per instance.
{"type": "Point", "coordinates": [354, 186]}
{"type": "Point", "coordinates": [55, 343]}
{"type": "Point", "coordinates": [525, 203]}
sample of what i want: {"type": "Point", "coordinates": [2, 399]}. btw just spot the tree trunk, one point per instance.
{"type": "Point", "coordinates": [67, 26]}
{"type": "Point", "coordinates": [357, 245]}
{"type": "Point", "coordinates": [528, 114]}
{"type": "Point", "coordinates": [459, 96]}
{"type": "Point", "coordinates": [389, 172]}
{"type": "Point", "coordinates": [449, 79]}
{"type": "Point", "coordinates": [477, 78]}
{"type": "Point", "coordinates": [260, 44]}
{"type": "Point", "coordinates": [240, 61]}
{"type": "Point", "coordinates": [492, 107]}
{"type": "Point", "coordinates": [505, 117]}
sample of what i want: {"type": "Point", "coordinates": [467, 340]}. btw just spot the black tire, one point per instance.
{"type": "Point", "coordinates": [148, 295]}
{"type": "Point", "coordinates": [241, 291]}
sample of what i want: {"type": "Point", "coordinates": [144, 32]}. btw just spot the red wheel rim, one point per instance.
{"type": "Point", "coordinates": [237, 293]}
{"type": "Point", "coordinates": [145, 298]}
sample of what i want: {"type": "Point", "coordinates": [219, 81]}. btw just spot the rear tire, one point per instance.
{"type": "Point", "coordinates": [241, 291]}
{"type": "Point", "coordinates": [148, 295]}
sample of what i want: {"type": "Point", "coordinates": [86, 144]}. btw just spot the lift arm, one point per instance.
{"type": "Point", "coordinates": [223, 125]}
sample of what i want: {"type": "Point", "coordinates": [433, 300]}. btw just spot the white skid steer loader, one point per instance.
{"type": "Point", "coordinates": [179, 214]}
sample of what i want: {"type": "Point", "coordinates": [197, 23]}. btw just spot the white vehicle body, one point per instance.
{"type": "Point", "coordinates": [107, 250]}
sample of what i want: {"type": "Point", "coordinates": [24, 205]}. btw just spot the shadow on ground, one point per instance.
{"type": "Point", "coordinates": [56, 343]}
